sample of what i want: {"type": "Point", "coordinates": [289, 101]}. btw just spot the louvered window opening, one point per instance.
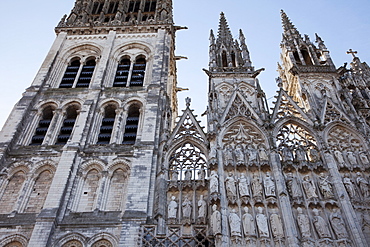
{"type": "Point", "coordinates": [70, 75]}
{"type": "Point", "coordinates": [107, 124]}
{"type": "Point", "coordinates": [138, 73]}
{"type": "Point", "coordinates": [65, 131]}
{"type": "Point", "coordinates": [132, 125]}
{"type": "Point", "coordinates": [123, 70]}
{"type": "Point", "coordinates": [86, 74]}
{"type": "Point", "coordinates": [42, 127]}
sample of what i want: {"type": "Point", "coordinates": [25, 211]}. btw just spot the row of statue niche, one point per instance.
{"type": "Point", "coordinates": [187, 209]}
{"type": "Point", "coordinates": [309, 186]}
{"type": "Point", "coordinates": [361, 182]}
{"type": "Point", "coordinates": [248, 155]}
{"type": "Point", "coordinates": [301, 154]}
{"type": "Point", "coordinates": [349, 159]}
{"type": "Point", "coordinates": [321, 226]}
{"type": "Point", "coordinates": [242, 185]}
{"type": "Point", "coordinates": [188, 174]}
{"type": "Point", "coordinates": [259, 225]}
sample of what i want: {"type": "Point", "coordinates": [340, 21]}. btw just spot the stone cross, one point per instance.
{"type": "Point", "coordinates": [352, 52]}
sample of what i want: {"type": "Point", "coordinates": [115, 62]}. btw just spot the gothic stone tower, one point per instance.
{"type": "Point", "coordinates": [78, 152]}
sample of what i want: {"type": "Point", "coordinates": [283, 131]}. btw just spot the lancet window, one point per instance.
{"type": "Point", "coordinates": [107, 124]}
{"type": "Point", "coordinates": [68, 124]}
{"type": "Point", "coordinates": [138, 72]}
{"type": "Point", "coordinates": [128, 74]}
{"type": "Point", "coordinates": [132, 124]}
{"type": "Point", "coordinates": [43, 126]}
{"type": "Point", "coordinates": [122, 73]}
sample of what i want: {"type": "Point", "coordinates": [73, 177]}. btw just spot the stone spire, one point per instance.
{"type": "Point", "coordinates": [290, 31]}
{"type": "Point", "coordinates": [245, 51]}
{"type": "Point", "coordinates": [224, 33]}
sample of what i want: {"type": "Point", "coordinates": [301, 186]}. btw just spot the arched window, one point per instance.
{"type": "Point", "coordinates": [14, 244]}
{"type": "Point", "coordinates": [89, 191]}
{"type": "Point", "coordinates": [86, 73]}
{"type": "Point", "coordinates": [74, 71]}
{"type": "Point", "coordinates": [73, 243]}
{"type": "Point", "coordinates": [123, 70]}
{"type": "Point", "coordinates": [39, 192]}
{"type": "Point", "coordinates": [42, 128]}
{"type": "Point", "coordinates": [306, 57]}
{"type": "Point", "coordinates": [68, 124]}
{"type": "Point", "coordinates": [233, 59]}
{"type": "Point", "coordinates": [132, 124]}
{"type": "Point", "coordinates": [224, 59]}
{"type": "Point", "coordinates": [106, 128]}
{"type": "Point", "coordinates": [12, 192]}
{"type": "Point", "coordinates": [138, 72]}
{"type": "Point", "coordinates": [70, 74]}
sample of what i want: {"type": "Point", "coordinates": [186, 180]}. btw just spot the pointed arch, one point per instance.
{"type": "Point", "coordinates": [345, 138]}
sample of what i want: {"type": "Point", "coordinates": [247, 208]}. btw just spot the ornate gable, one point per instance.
{"type": "Point", "coordinates": [285, 107]}
{"type": "Point", "coordinates": [332, 113]}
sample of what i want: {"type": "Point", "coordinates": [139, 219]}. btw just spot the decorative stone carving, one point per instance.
{"type": "Point", "coordinates": [276, 226]}
{"type": "Point", "coordinates": [286, 154]}
{"type": "Point", "coordinates": [235, 224]}
{"type": "Point", "coordinates": [230, 187]}
{"type": "Point", "coordinates": [339, 156]}
{"type": "Point", "coordinates": [300, 155]}
{"type": "Point", "coordinates": [325, 186]}
{"type": "Point", "coordinates": [313, 155]}
{"type": "Point", "coordinates": [174, 175]}
{"type": "Point", "coordinates": [186, 208]}
{"type": "Point", "coordinates": [172, 208]}
{"type": "Point", "coordinates": [239, 155]}
{"type": "Point", "coordinates": [262, 224]}
{"type": "Point", "coordinates": [202, 209]}
{"type": "Point", "coordinates": [303, 223]}
{"type": "Point", "coordinates": [320, 225]}
{"type": "Point", "coordinates": [269, 185]}
{"type": "Point", "coordinates": [263, 154]}
{"type": "Point", "coordinates": [351, 158]}
{"type": "Point", "coordinates": [213, 182]}
{"type": "Point", "coordinates": [229, 156]}
{"type": "Point", "coordinates": [364, 185]}
{"type": "Point", "coordinates": [364, 159]}
{"type": "Point", "coordinates": [293, 186]}
{"type": "Point", "coordinates": [309, 187]}
{"type": "Point", "coordinates": [201, 174]}
{"type": "Point", "coordinates": [337, 224]}
{"type": "Point", "coordinates": [243, 186]}
{"type": "Point", "coordinates": [216, 221]}
{"type": "Point", "coordinates": [248, 223]}
{"type": "Point", "coordinates": [347, 181]}
{"type": "Point", "coordinates": [252, 154]}
{"type": "Point", "coordinates": [256, 186]}
{"type": "Point", "coordinates": [188, 174]}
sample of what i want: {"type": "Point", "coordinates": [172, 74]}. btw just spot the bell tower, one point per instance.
{"type": "Point", "coordinates": [78, 151]}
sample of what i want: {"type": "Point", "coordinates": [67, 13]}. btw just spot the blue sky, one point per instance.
{"type": "Point", "coordinates": [27, 34]}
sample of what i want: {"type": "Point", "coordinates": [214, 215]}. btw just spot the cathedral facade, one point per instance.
{"type": "Point", "coordinates": [92, 154]}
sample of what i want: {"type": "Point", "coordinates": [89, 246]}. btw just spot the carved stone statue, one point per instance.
{"type": "Point", "coordinates": [309, 187]}
{"type": "Point", "coordinates": [325, 186]}
{"type": "Point", "coordinates": [229, 158]}
{"type": "Point", "coordinates": [337, 224]}
{"type": "Point", "coordinates": [276, 226]}
{"type": "Point", "coordinates": [188, 174]}
{"type": "Point", "coordinates": [248, 223]}
{"type": "Point", "coordinates": [202, 208]}
{"type": "Point", "coordinates": [186, 208]}
{"type": "Point", "coordinates": [364, 185]}
{"type": "Point", "coordinates": [286, 153]}
{"type": "Point", "coordinates": [300, 154]}
{"type": "Point", "coordinates": [234, 222]}
{"type": "Point", "coordinates": [269, 185]}
{"type": "Point", "coordinates": [230, 187]}
{"type": "Point", "coordinates": [262, 224]}
{"type": "Point", "coordinates": [256, 186]}
{"type": "Point", "coordinates": [201, 174]}
{"type": "Point", "coordinates": [216, 221]}
{"type": "Point", "coordinates": [213, 182]}
{"type": "Point", "coordinates": [243, 186]}
{"type": "Point", "coordinates": [352, 158]}
{"type": "Point", "coordinates": [263, 154]}
{"type": "Point", "coordinates": [293, 186]}
{"type": "Point", "coordinates": [347, 181]}
{"type": "Point", "coordinates": [313, 155]}
{"type": "Point", "coordinates": [172, 208]}
{"type": "Point", "coordinates": [339, 156]}
{"type": "Point", "coordinates": [303, 223]}
{"type": "Point", "coordinates": [252, 154]}
{"type": "Point", "coordinates": [320, 225]}
{"type": "Point", "coordinates": [364, 159]}
{"type": "Point", "coordinates": [174, 175]}
{"type": "Point", "coordinates": [239, 155]}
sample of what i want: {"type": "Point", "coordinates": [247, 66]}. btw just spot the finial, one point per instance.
{"type": "Point", "coordinates": [352, 52]}
{"type": "Point", "coordinates": [188, 101]}
{"type": "Point", "coordinates": [279, 82]}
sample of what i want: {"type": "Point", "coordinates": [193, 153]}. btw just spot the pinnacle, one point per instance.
{"type": "Point", "coordinates": [290, 30]}
{"type": "Point", "coordinates": [224, 33]}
